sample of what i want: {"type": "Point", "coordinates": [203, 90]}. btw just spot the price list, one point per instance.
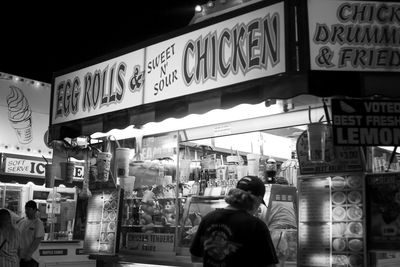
{"type": "Point", "coordinates": [315, 221]}
{"type": "Point", "coordinates": [314, 244]}
{"type": "Point", "coordinates": [101, 224]}
{"type": "Point", "coordinates": [314, 200]}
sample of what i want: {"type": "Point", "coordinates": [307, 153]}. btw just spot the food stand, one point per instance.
{"type": "Point", "coordinates": [24, 154]}
{"type": "Point", "coordinates": [282, 58]}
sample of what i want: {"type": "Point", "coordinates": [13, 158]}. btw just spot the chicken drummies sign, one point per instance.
{"type": "Point", "coordinates": [354, 36]}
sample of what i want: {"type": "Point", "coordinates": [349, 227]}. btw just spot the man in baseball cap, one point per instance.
{"type": "Point", "coordinates": [253, 185]}
{"type": "Point", "coordinates": [32, 232]}
{"type": "Point", "coordinates": [232, 235]}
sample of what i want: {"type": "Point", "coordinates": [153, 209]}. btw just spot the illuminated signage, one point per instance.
{"type": "Point", "coordinates": [366, 122]}
{"type": "Point", "coordinates": [30, 167]}
{"type": "Point", "coordinates": [354, 35]}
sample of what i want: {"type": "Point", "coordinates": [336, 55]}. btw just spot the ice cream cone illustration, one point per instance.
{"type": "Point", "coordinates": [20, 115]}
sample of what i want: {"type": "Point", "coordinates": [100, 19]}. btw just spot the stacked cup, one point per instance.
{"type": "Point", "coordinates": [122, 156]}
{"type": "Point", "coordinates": [49, 175]}
{"type": "Point", "coordinates": [67, 171]}
{"type": "Point", "coordinates": [103, 166]}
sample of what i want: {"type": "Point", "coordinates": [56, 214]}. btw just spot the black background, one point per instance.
{"type": "Point", "coordinates": [42, 37]}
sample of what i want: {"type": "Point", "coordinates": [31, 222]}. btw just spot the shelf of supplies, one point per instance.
{"type": "Point", "coordinates": [140, 225]}
{"type": "Point", "coordinates": [156, 198]}
{"type": "Point", "coordinates": [207, 197]}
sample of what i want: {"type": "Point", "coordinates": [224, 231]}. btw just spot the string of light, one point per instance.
{"type": "Point", "coordinates": [217, 6]}
{"type": "Point", "coordinates": [17, 79]}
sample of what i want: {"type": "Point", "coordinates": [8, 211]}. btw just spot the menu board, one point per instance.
{"type": "Point", "coordinates": [314, 244]}
{"type": "Point", "coordinates": [159, 146]}
{"type": "Point", "coordinates": [333, 207]}
{"type": "Point", "coordinates": [383, 218]}
{"type": "Point", "coordinates": [314, 217]}
{"type": "Point", "coordinates": [102, 222]}
{"type": "Point", "coordinates": [348, 215]}
{"type": "Point", "coordinates": [337, 158]}
{"type": "Point", "coordinates": [314, 200]}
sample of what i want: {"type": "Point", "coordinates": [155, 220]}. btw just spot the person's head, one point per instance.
{"type": "Point", "coordinates": [271, 165]}
{"type": "Point", "coordinates": [248, 194]}
{"type": "Point", "coordinates": [5, 218]}
{"type": "Point", "coordinates": [30, 209]}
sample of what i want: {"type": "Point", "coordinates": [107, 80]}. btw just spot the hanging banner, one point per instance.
{"type": "Point", "coordinates": [366, 122]}
{"type": "Point", "coordinates": [354, 35]}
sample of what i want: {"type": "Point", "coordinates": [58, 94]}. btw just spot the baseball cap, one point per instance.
{"type": "Point", "coordinates": [31, 204]}
{"type": "Point", "coordinates": [253, 185]}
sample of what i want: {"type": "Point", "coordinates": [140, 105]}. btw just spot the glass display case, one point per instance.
{"type": "Point", "coordinates": [57, 209]}
{"type": "Point", "coordinates": [173, 184]}
{"type": "Point", "coordinates": [11, 198]}
{"type": "Point", "coordinates": [152, 206]}
{"type": "Point", "coordinates": [196, 207]}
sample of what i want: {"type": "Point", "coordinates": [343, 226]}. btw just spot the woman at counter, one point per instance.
{"type": "Point", "coordinates": [10, 239]}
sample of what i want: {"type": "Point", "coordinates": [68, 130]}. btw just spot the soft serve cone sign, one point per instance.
{"type": "Point", "coordinates": [20, 115]}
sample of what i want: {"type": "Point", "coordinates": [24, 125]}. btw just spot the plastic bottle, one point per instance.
{"type": "Point", "coordinates": [70, 235]}
{"type": "Point", "coordinates": [203, 183]}
{"type": "Point", "coordinates": [233, 162]}
{"type": "Point", "coordinates": [262, 169]}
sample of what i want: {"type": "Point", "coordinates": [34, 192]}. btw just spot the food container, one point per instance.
{"type": "Point", "coordinates": [338, 198]}
{"type": "Point", "coordinates": [232, 163]}
{"type": "Point", "coordinates": [253, 164]}
{"type": "Point", "coordinates": [339, 213]}
{"type": "Point", "coordinates": [338, 183]}
{"type": "Point", "coordinates": [354, 197]}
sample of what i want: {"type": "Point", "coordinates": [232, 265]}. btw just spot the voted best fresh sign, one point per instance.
{"type": "Point", "coordinates": [366, 122]}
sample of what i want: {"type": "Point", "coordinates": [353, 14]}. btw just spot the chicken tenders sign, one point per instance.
{"type": "Point", "coordinates": [366, 122]}
{"type": "Point", "coordinates": [243, 48]}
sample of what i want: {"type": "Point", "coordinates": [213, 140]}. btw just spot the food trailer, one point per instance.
{"type": "Point", "coordinates": [199, 108]}
{"type": "Point", "coordinates": [24, 154]}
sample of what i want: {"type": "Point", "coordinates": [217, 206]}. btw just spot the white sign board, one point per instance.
{"type": "Point", "coordinates": [150, 243]}
{"type": "Point", "coordinates": [24, 115]}
{"type": "Point", "coordinates": [240, 49]}
{"type": "Point", "coordinates": [30, 167]}
{"type": "Point", "coordinates": [102, 88]}
{"type": "Point", "coordinates": [354, 35]}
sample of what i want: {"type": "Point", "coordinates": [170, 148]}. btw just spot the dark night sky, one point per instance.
{"type": "Point", "coordinates": [47, 36]}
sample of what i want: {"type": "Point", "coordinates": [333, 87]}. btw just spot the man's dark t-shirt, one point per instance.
{"type": "Point", "coordinates": [228, 238]}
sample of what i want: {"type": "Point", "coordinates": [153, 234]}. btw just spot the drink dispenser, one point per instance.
{"type": "Point", "coordinates": [232, 164]}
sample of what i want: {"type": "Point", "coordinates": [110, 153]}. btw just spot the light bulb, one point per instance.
{"type": "Point", "coordinates": [198, 8]}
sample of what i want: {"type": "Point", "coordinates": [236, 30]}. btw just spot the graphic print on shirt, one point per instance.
{"type": "Point", "coordinates": [218, 245]}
